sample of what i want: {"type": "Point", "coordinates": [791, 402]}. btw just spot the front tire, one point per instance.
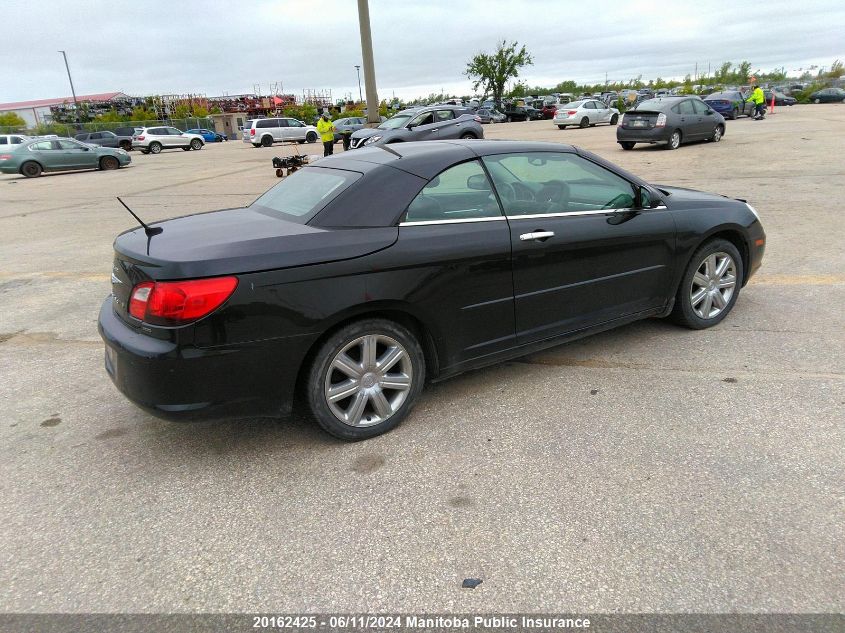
{"type": "Point", "coordinates": [467, 135]}
{"type": "Point", "coordinates": [734, 114]}
{"type": "Point", "coordinates": [31, 169]}
{"type": "Point", "coordinates": [364, 379]}
{"type": "Point", "coordinates": [561, 127]}
{"type": "Point", "coordinates": [108, 163]}
{"type": "Point", "coordinates": [311, 137]}
{"type": "Point", "coordinates": [717, 134]}
{"type": "Point", "coordinates": [674, 140]}
{"type": "Point", "coordinates": [614, 119]}
{"type": "Point", "coordinates": [196, 144]}
{"type": "Point", "coordinates": [710, 286]}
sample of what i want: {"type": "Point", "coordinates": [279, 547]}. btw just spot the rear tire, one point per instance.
{"type": "Point", "coordinates": [614, 119]}
{"type": "Point", "coordinates": [31, 169]}
{"type": "Point", "coordinates": [155, 148]}
{"type": "Point", "coordinates": [347, 366]}
{"type": "Point", "coordinates": [468, 135]}
{"type": "Point", "coordinates": [817, 100]}
{"type": "Point", "coordinates": [695, 283]}
{"type": "Point", "coordinates": [125, 146]}
{"type": "Point", "coordinates": [627, 145]}
{"type": "Point", "coordinates": [186, 149]}
{"type": "Point", "coordinates": [674, 140]}
{"type": "Point", "coordinates": [561, 127]}
{"type": "Point", "coordinates": [108, 163]}
{"type": "Point", "coordinates": [267, 141]}
{"type": "Point", "coordinates": [585, 123]}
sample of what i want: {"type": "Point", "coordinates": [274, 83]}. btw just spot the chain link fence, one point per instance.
{"type": "Point", "coordinates": [72, 129]}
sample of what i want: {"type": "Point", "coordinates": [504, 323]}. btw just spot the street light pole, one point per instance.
{"type": "Point", "coordinates": [72, 90]}
{"type": "Point", "coordinates": [369, 65]}
{"type": "Point", "coordinates": [360, 96]}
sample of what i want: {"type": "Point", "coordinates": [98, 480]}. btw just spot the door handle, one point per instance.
{"type": "Point", "coordinates": [537, 235]}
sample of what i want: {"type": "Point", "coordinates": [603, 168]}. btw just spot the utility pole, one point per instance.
{"type": "Point", "coordinates": [360, 97]}
{"type": "Point", "coordinates": [369, 64]}
{"type": "Point", "coordinates": [72, 90]}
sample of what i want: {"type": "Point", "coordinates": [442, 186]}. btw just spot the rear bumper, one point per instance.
{"type": "Point", "coordinates": [184, 383]}
{"type": "Point", "coordinates": [653, 135]}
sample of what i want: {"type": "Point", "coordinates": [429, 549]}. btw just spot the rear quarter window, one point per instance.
{"type": "Point", "coordinates": [300, 196]}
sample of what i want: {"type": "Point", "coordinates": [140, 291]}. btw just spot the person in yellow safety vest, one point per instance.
{"type": "Point", "coordinates": [759, 103]}
{"type": "Point", "coordinates": [326, 130]}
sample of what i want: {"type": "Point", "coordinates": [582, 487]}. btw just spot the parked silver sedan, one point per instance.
{"type": "Point", "coordinates": [585, 113]}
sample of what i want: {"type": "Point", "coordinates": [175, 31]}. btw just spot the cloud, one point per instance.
{"type": "Point", "coordinates": [217, 47]}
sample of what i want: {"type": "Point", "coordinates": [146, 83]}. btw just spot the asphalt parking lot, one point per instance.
{"type": "Point", "coordinates": [648, 469]}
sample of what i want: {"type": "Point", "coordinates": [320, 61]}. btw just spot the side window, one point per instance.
{"type": "Point", "coordinates": [532, 183]}
{"type": "Point", "coordinates": [70, 145]}
{"type": "Point", "coordinates": [173, 131]}
{"type": "Point", "coordinates": [686, 107]}
{"type": "Point", "coordinates": [264, 123]}
{"type": "Point", "coordinates": [676, 109]}
{"type": "Point", "coordinates": [43, 146]}
{"type": "Point", "coordinates": [283, 123]}
{"type": "Point", "coordinates": [700, 107]}
{"type": "Point", "coordinates": [94, 136]}
{"type": "Point", "coordinates": [3, 140]}
{"type": "Point", "coordinates": [462, 192]}
{"type": "Point", "coordinates": [157, 131]}
{"type": "Point", "coordinates": [445, 115]}
{"type": "Point", "coordinates": [424, 119]}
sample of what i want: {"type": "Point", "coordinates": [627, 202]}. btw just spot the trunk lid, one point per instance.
{"type": "Point", "coordinates": [638, 120]}
{"type": "Point", "coordinates": [231, 242]}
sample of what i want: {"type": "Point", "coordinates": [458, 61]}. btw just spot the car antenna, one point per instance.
{"type": "Point", "coordinates": [149, 230]}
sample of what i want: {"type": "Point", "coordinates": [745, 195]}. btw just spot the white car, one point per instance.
{"type": "Point", "coordinates": [151, 140]}
{"type": "Point", "coordinates": [265, 132]}
{"type": "Point", "coordinates": [13, 139]}
{"type": "Point", "coordinates": [585, 113]}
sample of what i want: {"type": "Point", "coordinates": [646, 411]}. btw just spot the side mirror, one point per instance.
{"type": "Point", "coordinates": [644, 199]}
{"type": "Point", "coordinates": [478, 182]}
{"type": "Point", "coordinates": [709, 112]}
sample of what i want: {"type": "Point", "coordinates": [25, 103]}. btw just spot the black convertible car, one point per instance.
{"type": "Point", "coordinates": [362, 276]}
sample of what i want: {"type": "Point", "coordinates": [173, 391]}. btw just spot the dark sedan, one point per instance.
{"type": "Point", "coordinates": [363, 276]}
{"type": "Point", "coordinates": [780, 98]}
{"type": "Point", "coordinates": [670, 121]}
{"type": "Point", "coordinates": [730, 104]}
{"type": "Point", "coordinates": [105, 139]}
{"type": "Point", "coordinates": [828, 95]}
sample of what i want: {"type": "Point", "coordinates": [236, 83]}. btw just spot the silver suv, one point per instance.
{"type": "Point", "coordinates": [429, 123]}
{"type": "Point", "coordinates": [151, 140]}
{"type": "Point", "coordinates": [265, 132]}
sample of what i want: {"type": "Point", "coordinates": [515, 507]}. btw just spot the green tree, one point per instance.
{"type": "Point", "coordinates": [200, 112]}
{"type": "Point", "coordinates": [743, 71]}
{"type": "Point", "coordinates": [181, 111]}
{"type": "Point", "coordinates": [836, 70]}
{"type": "Point", "coordinates": [492, 72]}
{"type": "Point", "coordinates": [11, 119]}
{"type": "Point", "coordinates": [112, 116]}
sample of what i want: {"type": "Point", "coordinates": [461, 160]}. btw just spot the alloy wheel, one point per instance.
{"type": "Point", "coordinates": [368, 380]}
{"type": "Point", "coordinates": [713, 285]}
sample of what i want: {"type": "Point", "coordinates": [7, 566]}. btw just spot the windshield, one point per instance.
{"type": "Point", "coordinates": [396, 121]}
{"type": "Point", "coordinates": [301, 195]}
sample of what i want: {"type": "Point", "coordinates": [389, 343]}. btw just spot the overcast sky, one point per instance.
{"type": "Point", "coordinates": [215, 47]}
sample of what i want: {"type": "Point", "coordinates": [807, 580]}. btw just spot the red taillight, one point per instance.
{"type": "Point", "coordinates": [661, 120]}
{"type": "Point", "coordinates": [179, 302]}
{"type": "Point", "coordinates": [140, 138]}
{"type": "Point", "coordinates": [252, 132]}
{"type": "Point", "coordinates": [571, 112]}
{"type": "Point", "coordinates": [5, 157]}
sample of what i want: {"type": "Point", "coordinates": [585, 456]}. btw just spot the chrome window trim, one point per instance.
{"type": "Point", "coordinates": [564, 214]}
{"type": "Point", "coordinates": [456, 221]}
